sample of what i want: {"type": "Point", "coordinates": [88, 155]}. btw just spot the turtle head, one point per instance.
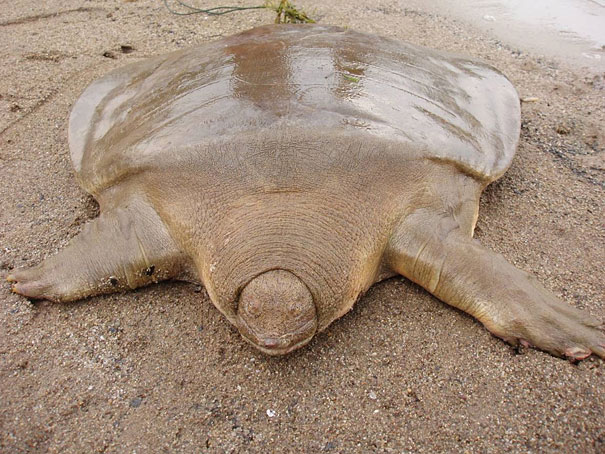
{"type": "Point", "coordinates": [276, 312]}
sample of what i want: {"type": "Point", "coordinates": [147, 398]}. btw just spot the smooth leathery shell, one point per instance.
{"type": "Point", "coordinates": [446, 107]}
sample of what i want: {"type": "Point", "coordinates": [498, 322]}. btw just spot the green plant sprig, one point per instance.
{"type": "Point", "coordinates": [286, 11]}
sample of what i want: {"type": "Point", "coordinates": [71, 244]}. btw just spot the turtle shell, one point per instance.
{"type": "Point", "coordinates": [296, 77]}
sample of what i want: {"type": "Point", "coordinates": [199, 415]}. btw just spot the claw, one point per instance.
{"type": "Point", "coordinates": [36, 289]}
{"type": "Point", "coordinates": [577, 353]}
{"type": "Point", "coordinates": [21, 289]}
{"type": "Point", "coordinates": [525, 343]}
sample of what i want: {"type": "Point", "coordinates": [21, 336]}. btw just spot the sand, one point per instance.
{"type": "Point", "coordinates": [160, 370]}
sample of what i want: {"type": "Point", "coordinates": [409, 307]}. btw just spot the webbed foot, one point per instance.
{"type": "Point", "coordinates": [511, 303]}
{"type": "Point", "coordinates": [122, 249]}
{"type": "Point", "coordinates": [533, 317]}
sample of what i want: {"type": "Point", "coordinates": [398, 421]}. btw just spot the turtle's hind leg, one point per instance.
{"type": "Point", "coordinates": [124, 248]}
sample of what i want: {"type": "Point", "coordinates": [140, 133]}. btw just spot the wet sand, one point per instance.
{"type": "Point", "coordinates": [160, 370]}
{"type": "Point", "coordinates": [571, 30]}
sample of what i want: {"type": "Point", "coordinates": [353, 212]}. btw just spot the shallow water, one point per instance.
{"type": "Point", "coordinates": [570, 30]}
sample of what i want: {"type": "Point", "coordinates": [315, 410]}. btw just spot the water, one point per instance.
{"type": "Point", "coordinates": [571, 30]}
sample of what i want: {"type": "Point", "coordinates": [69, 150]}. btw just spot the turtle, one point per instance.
{"type": "Point", "coordinates": [289, 168]}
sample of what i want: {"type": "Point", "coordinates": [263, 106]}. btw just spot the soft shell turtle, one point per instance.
{"type": "Point", "coordinates": [289, 168]}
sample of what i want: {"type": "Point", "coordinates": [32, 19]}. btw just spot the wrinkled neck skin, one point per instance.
{"type": "Point", "coordinates": [296, 232]}
{"type": "Point", "coordinates": [316, 214]}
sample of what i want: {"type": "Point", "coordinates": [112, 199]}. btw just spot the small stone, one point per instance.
{"type": "Point", "coordinates": [109, 54]}
{"type": "Point", "coordinates": [136, 402]}
{"type": "Point", "coordinates": [372, 395]}
{"type": "Point", "coordinates": [271, 413]}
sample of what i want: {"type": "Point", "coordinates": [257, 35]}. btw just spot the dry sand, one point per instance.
{"type": "Point", "coordinates": [160, 370]}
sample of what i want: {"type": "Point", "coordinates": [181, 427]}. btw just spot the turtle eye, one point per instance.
{"type": "Point", "coordinates": [294, 309]}
{"type": "Point", "coordinates": [254, 308]}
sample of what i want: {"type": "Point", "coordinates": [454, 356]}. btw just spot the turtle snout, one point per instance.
{"type": "Point", "coordinates": [276, 312]}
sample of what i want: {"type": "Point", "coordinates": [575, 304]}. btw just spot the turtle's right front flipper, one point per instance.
{"type": "Point", "coordinates": [124, 248]}
{"type": "Point", "coordinates": [443, 258]}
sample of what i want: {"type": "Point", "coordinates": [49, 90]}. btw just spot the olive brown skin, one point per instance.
{"type": "Point", "coordinates": [289, 168]}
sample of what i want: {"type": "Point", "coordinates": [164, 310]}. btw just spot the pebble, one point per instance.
{"type": "Point", "coordinates": [330, 445]}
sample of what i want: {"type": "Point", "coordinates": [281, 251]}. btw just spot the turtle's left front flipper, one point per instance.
{"type": "Point", "coordinates": [445, 260]}
{"type": "Point", "coordinates": [124, 248]}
